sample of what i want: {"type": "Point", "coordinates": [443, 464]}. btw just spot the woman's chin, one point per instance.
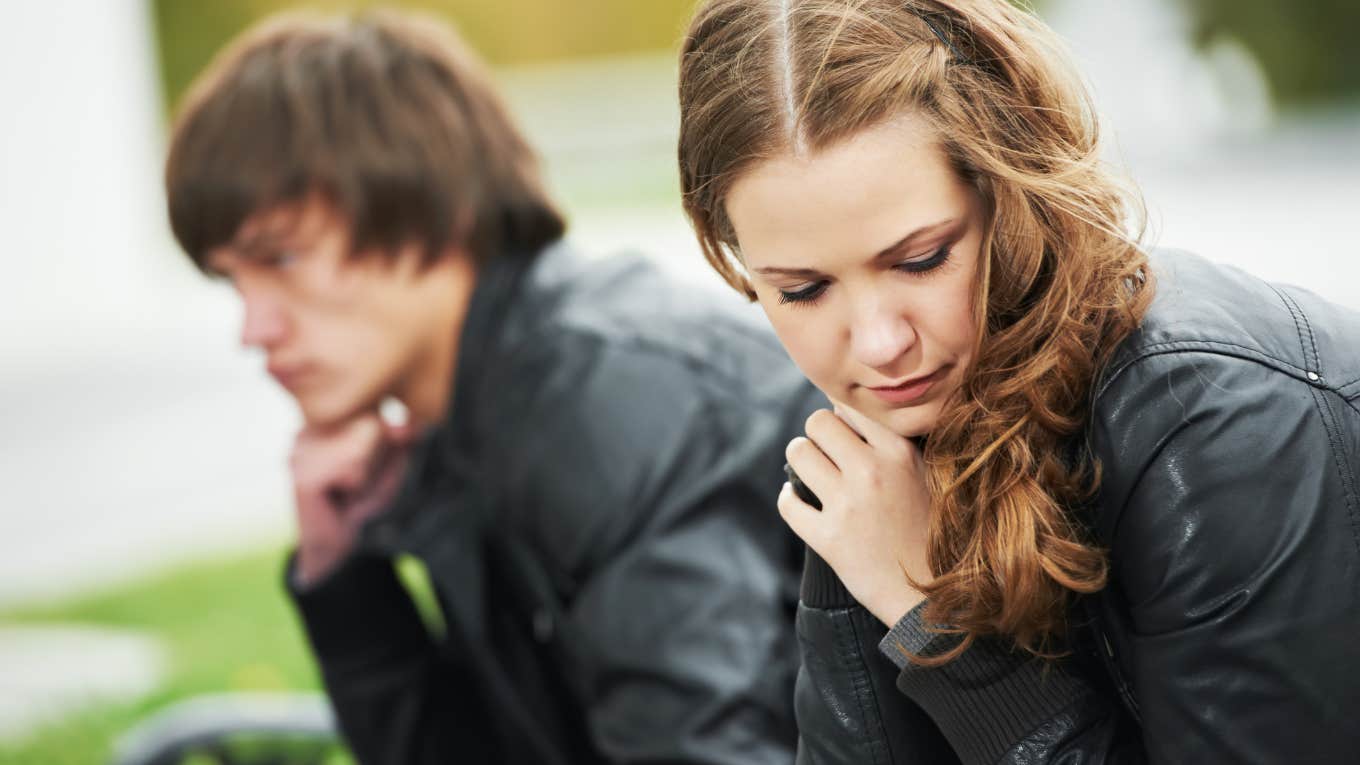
{"type": "Point", "coordinates": [908, 422]}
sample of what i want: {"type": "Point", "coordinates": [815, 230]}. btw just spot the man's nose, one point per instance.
{"type": "Point", "coordinates": [265, 324]}
{"type": "Point", "coordinates": [880, 334]}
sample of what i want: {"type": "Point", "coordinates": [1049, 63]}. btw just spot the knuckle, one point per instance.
{"type": "Point", "coordinates": [369, 431]}
{"type": "Point", "coordinates": [818, 420]}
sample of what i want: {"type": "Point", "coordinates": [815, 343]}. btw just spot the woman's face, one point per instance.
{"type": "Point", "coordinates": [864, 258]}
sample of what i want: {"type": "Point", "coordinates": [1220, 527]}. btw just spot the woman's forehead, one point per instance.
{"type": "Point", "coordinates": [855, 198]}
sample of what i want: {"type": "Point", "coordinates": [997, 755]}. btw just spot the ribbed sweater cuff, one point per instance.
{"type": "Point", "coordinates": [985, 701]}
{"type": "Point", "coordinates": [821, 587]}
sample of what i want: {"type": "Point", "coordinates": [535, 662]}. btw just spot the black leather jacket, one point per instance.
{"type": "Point", "coordinates": [1228, 428]}
{"type": "Point", "coordinates": [597, 520]}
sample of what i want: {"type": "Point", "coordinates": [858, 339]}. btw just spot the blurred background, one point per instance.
{"type": "Point", "coordinates": [144, 504]}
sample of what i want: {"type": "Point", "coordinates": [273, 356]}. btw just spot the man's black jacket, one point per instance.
{"type": "Point", "coordinates": [1228, 429]}
{"type": "Point", "coordinates": [597, 517]}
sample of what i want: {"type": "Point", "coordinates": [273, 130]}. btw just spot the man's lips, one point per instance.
{"type": "Point", "coordinates": [288, 375]}
{"type": "Point", "coordinates": [908, 390]}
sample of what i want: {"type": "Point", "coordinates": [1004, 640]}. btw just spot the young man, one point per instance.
{"type": "Point", "coordinates": [592, 456]}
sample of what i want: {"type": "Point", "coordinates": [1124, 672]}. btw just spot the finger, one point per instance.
{"type": "Point", "coordinates": [362, 435]}
{"type": "Point", "coordinates": [399, 434]}
{"type": "Point", "coordinates": [814, 467]}
{"type": "Point", "coordinates": [341, 431]}
{"type": "Point", "coordinates": [876, 434]}
{"type": "Point", "coordinates": [836, 439]}
{"type": "Point", "coordinates": [357, 447]}
{"type": "Point", "coordinates": [801, 518]}
{"type": "Point", "coordinates": [348, 441]}
{"type": "Point", "coordinates": [379, 493]}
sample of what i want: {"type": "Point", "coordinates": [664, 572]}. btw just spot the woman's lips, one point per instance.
{"type": "Point", "coordinates": [909, 391]}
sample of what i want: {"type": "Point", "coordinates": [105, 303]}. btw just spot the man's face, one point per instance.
{"type": "Point", "coordinates": [340, 331]}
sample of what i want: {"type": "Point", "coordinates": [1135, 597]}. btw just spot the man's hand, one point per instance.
{"type": "Point", "coordinates": [875, 518]}
{"type": "Point", "coordinates": [342, 476]}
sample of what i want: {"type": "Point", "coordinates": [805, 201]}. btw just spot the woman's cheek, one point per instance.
{"type": "Point", "coordinates": [811, 345]}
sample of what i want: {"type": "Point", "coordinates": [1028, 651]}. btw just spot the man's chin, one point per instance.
{"type": "Point", "coordinates": [320, 413]}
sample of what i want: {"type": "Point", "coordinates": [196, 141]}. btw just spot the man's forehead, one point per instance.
{"type": "Point", "coordinates": [278, 225]}
{"type": "Point", "coordinates": [283, 220]}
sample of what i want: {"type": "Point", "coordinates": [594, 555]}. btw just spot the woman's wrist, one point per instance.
{"type": "Point", "coordinates": [894, 603]}
{"type": "Point", "coordinates": [821, 586]}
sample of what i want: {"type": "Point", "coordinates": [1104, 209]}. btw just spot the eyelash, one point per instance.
{"type": "Point", "coordinates": [809, 295]}
{"type": "Point", "coordinates": [281, 259]}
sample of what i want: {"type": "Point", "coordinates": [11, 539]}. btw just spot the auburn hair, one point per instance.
{"type": "Point", "coordinates": [386, 115]}
{"type": "Point", "coordinates": [1062, 280]}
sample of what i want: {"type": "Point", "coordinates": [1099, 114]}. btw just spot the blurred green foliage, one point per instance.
{"type": "Point", "coordinates": [1308, 48]}
{"type": "Point", "coordinates": [505, 32]}
{"type": "Point", "coordinates": [226, 625]}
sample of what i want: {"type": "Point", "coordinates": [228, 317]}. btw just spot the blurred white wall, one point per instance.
{"type": "Point", "coordinates": [132, 431]}
{"type": "Point", "coordinates": [79, 147]}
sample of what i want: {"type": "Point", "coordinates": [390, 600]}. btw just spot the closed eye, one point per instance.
{"type": "Point", "coordinates": [280, 259]}
{"type": "Point", "coordinates": [915, 266]}
{"type": "Point", "coordinates": [928, 263]}
{"type": "Point", "coordinates": [808, 294]}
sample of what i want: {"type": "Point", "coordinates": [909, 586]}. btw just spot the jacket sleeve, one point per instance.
{"type": "Point", "coordinates": [1228, 496]}
{"type": "Point", "coordinates": [1229, 499]}
{"type": "Point", "coordinates": [658, 507]}
{"type": "Point", "coordinates": [397, 701]}
{"type": "Point", "coordinates": [996, 704]}
{"type": "Point", "coordinates": [848, 710]}
{"type": "Point", "coordinates": [689, 648]}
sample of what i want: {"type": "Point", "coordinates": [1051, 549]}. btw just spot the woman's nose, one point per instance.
{"type": "Point", "coordinates": [880, 335]}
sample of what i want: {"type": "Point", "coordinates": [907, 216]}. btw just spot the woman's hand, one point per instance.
{"type": "Point", "coordinates": [875, 517]}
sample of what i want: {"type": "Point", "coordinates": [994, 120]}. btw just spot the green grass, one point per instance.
{"type": "Point", "coordinates": [226, 625]}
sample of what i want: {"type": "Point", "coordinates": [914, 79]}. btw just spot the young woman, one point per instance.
{"type": "Point", "coordinates": [1078, 503]}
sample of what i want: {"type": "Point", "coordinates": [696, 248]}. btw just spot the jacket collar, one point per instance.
{"type": "Point", "coordinates": [441, 459]}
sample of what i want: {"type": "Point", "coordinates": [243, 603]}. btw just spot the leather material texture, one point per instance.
{"type": "Point", "coordinates": [597, 517]}
{"type": "Point", "coordinates": [1228, 431]}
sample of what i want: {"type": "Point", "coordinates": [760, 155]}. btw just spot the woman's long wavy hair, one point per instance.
{"type": "Point", "coordinates": [1061, 283]}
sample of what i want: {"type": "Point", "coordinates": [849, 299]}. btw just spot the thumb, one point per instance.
{"type": "Point", "coordinates": [399, 434]}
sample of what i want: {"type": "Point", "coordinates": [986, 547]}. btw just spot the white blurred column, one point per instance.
{"type": "Point", "coordinates": [134, 433]}
{"type": "Point", "coordinates": [80, 145]}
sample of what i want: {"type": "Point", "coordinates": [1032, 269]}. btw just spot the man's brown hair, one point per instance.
{"type": "Point", "coordinates": [390, 117]}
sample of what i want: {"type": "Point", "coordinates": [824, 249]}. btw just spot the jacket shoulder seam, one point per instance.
{"type": "Point", "coordinates": [1349, 394]}
{"type": "Point", "coordinates": [1301, 326]}
{"type": "Point", "coordinates": [1211, 347]}
{"type": "Point", "coordinates": [1335, 445]}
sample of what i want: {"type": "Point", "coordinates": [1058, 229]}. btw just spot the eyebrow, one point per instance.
{"type": "Point", "coordinates": [247, 248]}
{"type": "Point", "coordinates": [262, 239]}
{"type": "Point", "coordinates": [886, 252]}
